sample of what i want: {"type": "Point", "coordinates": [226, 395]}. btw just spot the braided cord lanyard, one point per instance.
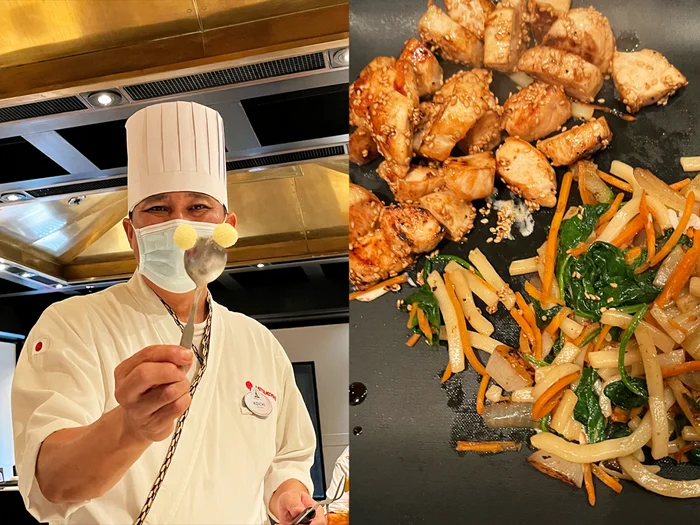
{"type": "Point", "coordinates": [202, 358]}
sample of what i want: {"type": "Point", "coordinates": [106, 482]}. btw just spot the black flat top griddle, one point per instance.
{"type": "Point", "coordinates": [404, 467]}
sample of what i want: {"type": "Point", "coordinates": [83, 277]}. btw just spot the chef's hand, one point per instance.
{"type": "Point", "coordinates": [153, 391]}
{"type": "Point", "coordinates": [291, 503]}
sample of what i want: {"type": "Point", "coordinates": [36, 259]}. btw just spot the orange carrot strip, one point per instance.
{"type": "Point", "coordinates": [580, 249]}
{"type": "Point", "coordinates": [682, 225]}
{"type": "Point", "coordinates": [553, 236]}
{"type": "Point", "coordinates": [413, 340]}
{"type": "Point", "coordinates": [645, 214]}
{"type": "Point", "coordinates": [680, 276]}
{"type": "Point", "coordinates": [525, 347]}
{"type": "Point", "coordinates": [524, 325]}
{"type": "Point", "coordinates": [586, 196]}
{"type": "Point", "coordinates": [631, 230]}
{"type": "Point", "coordinates": [674, 370]}
{"type": "Point", "coordinates": [588, 481]}
{"type": "Point", "coordinates": [539, 409]}
{"type": "Point", "coordinates": [399, 279]}
{"type": "Point", "coordinates": [585, 333]}
{"type": "Point", "coordinates": [412, 315]}
{"type": "Point", "coordinates": [463, 334]}
{"type": "Point", "coordinates": [556, 321]}
{"type": "Point", "coordinates": [447, 374]}
{"type": "Point", "coordinates": [530, 318]}
{"type": "Point", "coordinates": [633, 254]}
{"type": "Point", "coordinates": [481, 394]}
{"type": "Point", "coordinates": [612, 210]}
{"type": "Point", "coordinates": [614, 181]}
{"type": "Point", "coordinates": [424, 326]}
{"type": "Point", "coordinates": [536, 294]}
{"type": "Point", "coordinates": [601, 337]}
{"type": "Point", "coordinates": [487, 446]}
{"type": "Point", "coordinates": [606, 478]}
{"type": "Point", "coordinates": [678, 186]}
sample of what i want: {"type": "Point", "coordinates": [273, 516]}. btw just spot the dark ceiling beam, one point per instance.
{"type": "Point", "coordinates": [314, 272]}
{"type": "Point", "coordinates": [230, 283]}
{"type": "Point", "coordinates": [62, 152]}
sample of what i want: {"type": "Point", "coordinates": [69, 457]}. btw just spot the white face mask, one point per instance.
{"type": "Point", "coordinates": [161, 260]}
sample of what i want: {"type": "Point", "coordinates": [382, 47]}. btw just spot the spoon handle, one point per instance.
{"type": "Point", "coordinates": [188, 332]}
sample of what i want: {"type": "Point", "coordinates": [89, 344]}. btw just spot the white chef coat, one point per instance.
{"type": "Point", "coordinates": [342, 469]}
{"type": "Point", "coordinates": [228, 461]}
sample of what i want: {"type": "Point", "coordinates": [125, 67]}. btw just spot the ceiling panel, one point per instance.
{"type": "Point", "coordinates": [299, 115]}
{"type": "Point", "coordinates": [22, 161]}
{"type": "Point", "coordinates": [218, 13]}
{"type": "Point", "coordinates": [104, 144]}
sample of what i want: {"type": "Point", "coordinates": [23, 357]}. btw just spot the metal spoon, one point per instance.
{"type": "Point", "coordinates": [204, 263]}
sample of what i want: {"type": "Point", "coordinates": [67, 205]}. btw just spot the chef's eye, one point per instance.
{"type": "Point", "coordinates": [156, 209]}
{"type": "Point", "coordinates": [200, 207]}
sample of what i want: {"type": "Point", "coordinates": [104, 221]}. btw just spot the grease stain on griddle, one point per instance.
{"type": "Point", "coordinates": [358, 393]}
{"type": "Point", "coordinates": [357, 431]}
{"type": "Point", "coordinates": [627, 41]}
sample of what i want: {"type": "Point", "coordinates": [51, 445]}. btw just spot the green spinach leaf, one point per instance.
{"type": "Point", "coordinates": [691, 401]}
{"type": "Point", "coordinates": [616, 430]}
{"type": "Point", "coordinates": [622, 397]}
{"type": "Point", "coordinates": [579, 227]}
{"type": "Point", "coordinates": [601, 278]}
{"type": "Point", "coordinates": [683, 241]}
{"type": "Point", "coordinates": [427, 302]}
{"type": "Point", "coordinates": [694, 456]}
{"type": "Point", "coordinates": [615, 332]}
{"type": "Point", "coordinates": [587, 409]}
{"type": "Point", "coordinates": [544, 317]}
{"type": "Point", "coordinates": [556, 348]}
{"type": "Point", "coordinates": [634, 386]}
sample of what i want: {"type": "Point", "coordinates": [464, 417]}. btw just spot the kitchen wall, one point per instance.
{"type": "Point", "coordinates": [328, 347]}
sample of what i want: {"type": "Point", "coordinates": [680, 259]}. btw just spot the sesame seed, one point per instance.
{"type": "Point", "coordinates": [610, 300]}
{"type": "Point", "coordinates": [613, 285]}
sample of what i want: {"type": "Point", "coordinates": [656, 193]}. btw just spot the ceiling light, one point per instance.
{"type": "Point", "coordinates": [340, 57]}
{"type": "Point", "coordinates": [104, 99]}
{"type": "Point", "coordinates": [89, 287]}
{"type": "Point", "coordinates": [27, 275]}
{"type": "Point", "coordinates": [13, 197]}
{"type": "Point", "coordinates": [260, 265]}
{"type": "Point", "coordinates": [3, 267]}
{"type": "Point", "coordinates": [76, 201]}
{"type": "Point", "coordinates": [59, 286]}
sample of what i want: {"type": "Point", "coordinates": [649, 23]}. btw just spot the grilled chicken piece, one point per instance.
{"type": "Point", "coordinates": [454, 213]}
{"type": "Point", "coordinates": [586, 33]}
{"type": "Point", "coordinates": [362, 148]}
{"type": "Point", "coordinates": [364, 209]}
{"type": "Point", "coordinates": [462, 104]}
{"type": "Point", "coordinates": [423, 120]}
{"type": "Point", "coordinates": [372, 259]}
{"type": "Point", "coordinates": [470, 178]}
{"type": "Point", "coordinates": [536, 111]}
{"type": "Point", "coordinates": [486, 133]}
{"type": "Point", "coordinates": [580, 79]}
{"type": "Point", "coordinates": [526, 172]}
{"type": "Point", "coordinates": [420, 181]}
{"type": "Point", "coordinates": [505, 35]}
{"type": "Point", "coordinates": [470, 14]}
{"type": "Point", "coordinates": [359, 102]}
{"type": "Point", "coordinates": [579, 142]}
{"type": "Point", "coordinates": [644, 78]}
{"type": "Point", "coordinates": [454, 43]}
{"type": "Point", "coordinates": [542, 16]}
{"type": "Point", "coordinates": [393, 98]}
{"type": "Point", "coordinates": [410, 229]}
{"type": "Point", "coordinates": [426, 67]}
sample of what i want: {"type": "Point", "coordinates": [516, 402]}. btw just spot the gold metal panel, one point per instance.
{"type": "Point", "coordinates": [323, 197]}
{"type": "Point", "coordinates": [218, 13]}
{"type": "Point", "coordinates": [40, 30]}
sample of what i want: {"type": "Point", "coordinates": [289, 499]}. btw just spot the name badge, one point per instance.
{"type": "Point", "coordinates": [257, 403]}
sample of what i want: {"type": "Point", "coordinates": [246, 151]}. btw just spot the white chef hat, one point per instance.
{"type": "Point", "coordinates": [176, 146]}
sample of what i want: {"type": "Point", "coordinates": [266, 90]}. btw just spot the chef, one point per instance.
{"type": "Point", "coordinates": [114, 423]}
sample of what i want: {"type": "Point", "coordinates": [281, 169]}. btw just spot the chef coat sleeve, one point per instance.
{"type": "Point", "coordinates": [58, 384]}
{"type": "Point", "coordinates": [295, 439]}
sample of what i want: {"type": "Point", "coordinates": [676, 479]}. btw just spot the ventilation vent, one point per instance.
{"type": "Point", "coordinates": [80, 187]}
{"type": "Point", "coordinates": [284, 158]}
{"type": "Point", "coordinates": [41, 109]}
{"type": "Point", "coordinates": [226, 77]}
{"type": "Point", "coordinates": [43, 280]}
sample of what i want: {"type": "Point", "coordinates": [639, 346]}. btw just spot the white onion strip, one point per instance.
{"type": "Point", "coordinates": [615, 318]}
{"type": "Point", "coordinates": [666, 487]}
{"type": "Point", "coordinates": [609, 449]}
{"type": "Point", "coordinates": [454, 339]}
{"type": "Point", "coordinates": [655, 384]}
{"type": "Point", "coordinates": [628, 212]}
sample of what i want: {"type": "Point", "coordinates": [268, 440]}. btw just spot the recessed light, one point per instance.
{"type": "Point", "coordinates": [3, 267]}
{"type": "Point", "coordinates": [260, 265]}
{"type": "Point", "coordinates": [104, 99]}
{"type": "Point", "coordinates": [27, 275]}
{"type": "Point", "coordinates": [13, 197]}
{"type": "Point", "coordinates": [59, 286]}
{"type": "Point", "coordinates": [340, 57]}
{"type": "Point", "coordinates": [89, 287]}
{"type": "Point", "coordinates": [76, 201]}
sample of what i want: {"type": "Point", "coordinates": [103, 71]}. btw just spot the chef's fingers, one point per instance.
{"type": "Point", "coordinates": [159, 353]}
{"type": "Point", "coordinates": [144, 377]}
{"type": "Point", "coordinates": [165, 415]}
{"type": "Point", "coordinates": [320, 518]}
{"type": "Point", "coordinates": [159, 397]}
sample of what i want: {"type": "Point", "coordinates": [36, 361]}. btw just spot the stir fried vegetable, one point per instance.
{"type": "Point", "coordinates": [587, 410]}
